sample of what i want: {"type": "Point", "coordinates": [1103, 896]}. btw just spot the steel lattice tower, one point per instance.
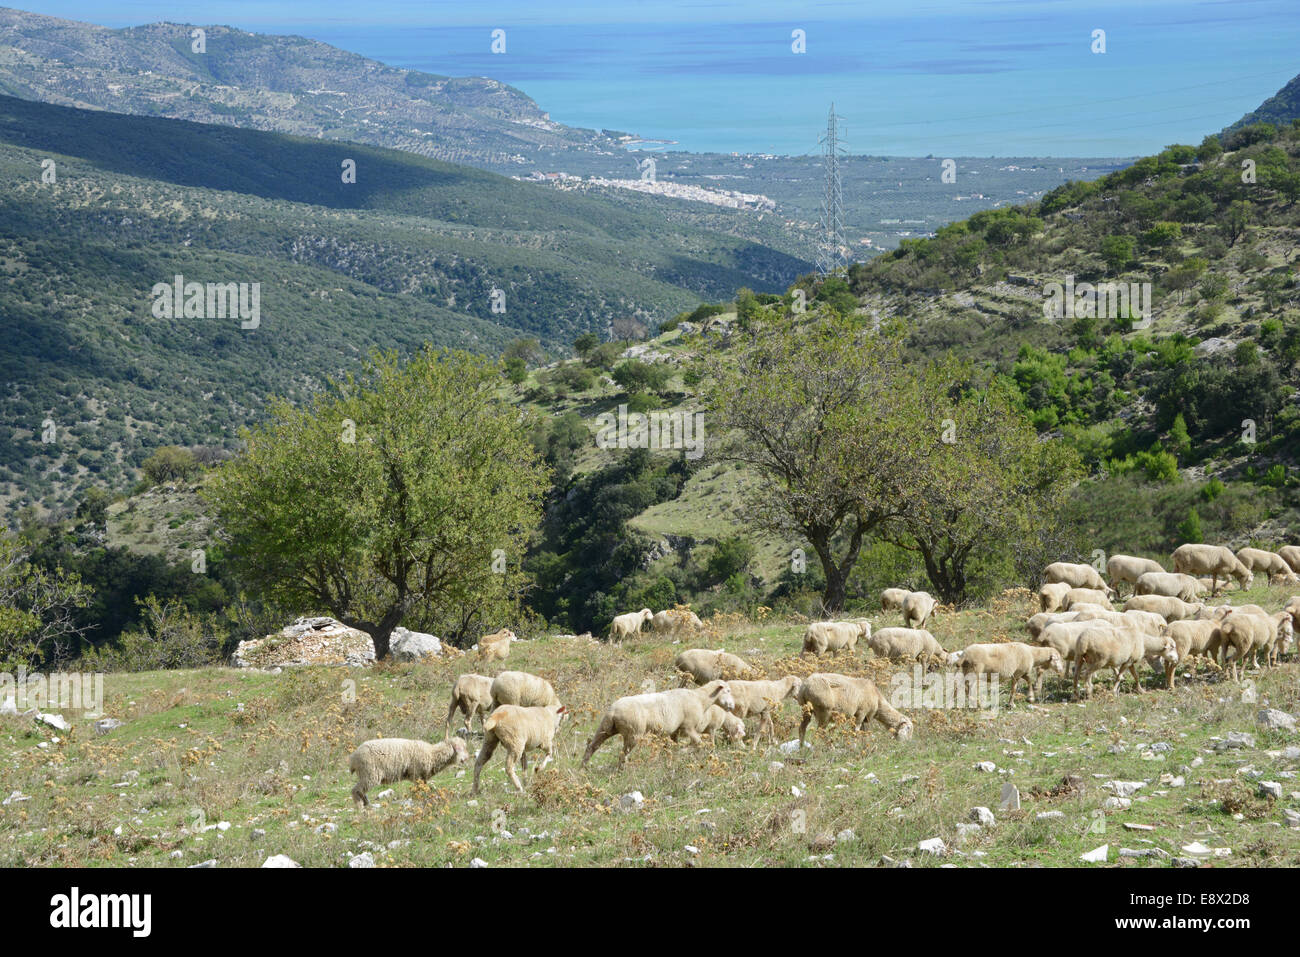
{"type": "Point", "coordinates": [830, 252]}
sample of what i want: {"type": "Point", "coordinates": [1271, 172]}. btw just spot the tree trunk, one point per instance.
{"type": "Point", "coordinates": [837, 573]}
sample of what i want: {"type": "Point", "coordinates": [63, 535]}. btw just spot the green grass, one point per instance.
{"type": "Point", "coordinates": [279, 765]}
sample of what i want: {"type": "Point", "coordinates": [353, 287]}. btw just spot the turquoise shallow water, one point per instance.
{"type": "Point", "coordinates": [1003, 77]}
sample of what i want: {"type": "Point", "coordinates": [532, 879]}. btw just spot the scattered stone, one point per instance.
{"type": "Point", "coordinates": [15, 798]}
{"type": "Point", "coordinates": [1292, 817]}
{"type": "Point", "coordinates": [53, 720]}
{"type": "Point", "coordinates": [987, 766]}
{"type": "Point", "coordinates": [407, 645]}
{"type": "Point", "coordinates": [105, 725]}
{"type": "Point", "coordinates": [1186, 862]}
{"type": "Point", "coordinates": [1270, 789]}
{"type": "Point", "coordinates": [791, 747]}
{"type": "Point", "coordinates": [364, 859]}
{"type": "Point", "coordinates": [1173, 781]}
{"type": "Point", "coordinates": [1010, 797]}
{"type": "Point", "coordinates": [845, 836]}
{"type": "Point", "coordinates": [1275, 720]}
{"type": "Point", "coordinates": [1143, 852]}
{"type": "Point", "coordinates": [1138, 827]}
{"type": "Point", "coordinates": [1097, 855]}
{"type": "Point", "coordinates": [210, 862]}
{"type": "Point", "coordinates": [1235, 740]}
{"type": "Point", "coordinates": [1125, 788]}
{"type": "Point", "coordinates": [1117, 804]}
{"type": "Point", "coordinates": [258, 833]}
{"type": "Point", "coordinates": [631, 801]}
{"type": "Point", "coordinates": [692, 849]}
{"type": "Point", "coordinates": [776, 766]}
{"type": "Point", "coordinates": [280, 860]}
{"type": "Point", "coordinates": [478, 862]}
{"type": "Point", "coordinates": [982, 816]}
{"type": "Point", "coordinates": [934, 845]}
{"type": "Point", "coordinates": [1049, 816]}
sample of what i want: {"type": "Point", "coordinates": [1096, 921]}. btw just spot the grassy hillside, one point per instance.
{"type": "Point", "coordinates": [267, 755]}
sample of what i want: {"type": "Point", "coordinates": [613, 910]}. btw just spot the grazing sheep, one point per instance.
{"type": "Point", "coordinates": [522, 689]}
{"type": "Point", "coordinates": [906, 644]}
{"type": "Point", "coordinates": [823, 636]}
{"type": "Point", "coordinates": [519, 729]}
{"type": "Point", "coordinates": [1292, 607]}
{"type": "Point", "coordinates": [1171, 609]}
{"type": "Point", "coordinates": [1013, 660]}
{"type": "Point", "coordinates": [1242, 634]}
{"type": "Point", "coordinates": [1122, 648]}
{"type": "Point", "coordinates": [1259, 560]}
{"type": "Point", "coordinates": [705, 665]}
{"type": "Point", "coordinates": [1192, 639]}
{"type": "Point", "coordinates": [472, 694]}
{"type": "Point", "coordinates": [760, 698]}
{"type": "Point", "coordinates": [1126, 569]}
{"type": "Point", "coordinates": [1064, 637]}
{"type": "Point", "coordinates": [674, 620]}
{"type": "Point", "coordinates": [1213, 560]}
{"type": "Point", "coordinates": [1223, 611]}
{"type": "Point", "coordinates": [822, 694]}
{"type": "Point", "coordinates": [625, 626]}
{"type": "Point", "coordinates": [917, 608]}
{"type": "Point", "coordinates": [1091, 596]}
{"type": "Point", "coordinates": [496, 646]}
{"type": "Point", "coordinates": [1169, 584]}
{"type": "Point", "coordinates": [1291, 555]}
{"type": "Point", "coordinates": [715, 720]}
{"type": "Point", "coordinates": [1038, 622]}
{"type": "Point", "coordinates": [1076, 576]}
{"type": "Point", "coordinates": [1051, 596]}
{"type": "Point", "coordinates": [891, 599]}
{"type": "Point", "coordinates": [389, 760]}
{"type": "Point", "coordinates": [1145, 621]}
{"type": "Point", "coordinates": [681, 711]}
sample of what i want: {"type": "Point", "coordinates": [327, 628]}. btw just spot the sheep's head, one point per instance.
{"type": "Point", "coordinates": [905, 730]}
{"type": "Point", "coordinates": [721, 696]}
{"type": "Point", "coordinates": [954, 658]}
{"type": "Point", "coordinates": [793, 685]}
{"type": "Point", "coordinates": [734, 727]}
{"type": "Point", "coordinates": [1169, 651]}
{"type": "Point", "coordinates": [1055, 663]}
{"type": "Point", "coordinates": [460, 750]}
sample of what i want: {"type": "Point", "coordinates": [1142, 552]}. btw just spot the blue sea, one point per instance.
{"type": "Point", "coordinates": [997, 78]}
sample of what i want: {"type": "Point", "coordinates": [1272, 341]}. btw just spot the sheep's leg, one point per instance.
{"type": "Point", "coordinates": [510, 771]}
{"type": "Point", "coordinates": [359, 796]}
{"type": "Point", "coordinates": [450, 712]}
{"type": "Point", "coordinates": [629, 742]}
{"type": "Point", "coordinates": [803, 726]}
{"type": "Point", "coordinates": [1169, 674]}
{"type": "Point", "coordinates": [485, 753]}
{"type": "Point", "coordinates": [547, 760]}
{"type": "Point", "coordinates": [694, 737]}
{"type": "Point", "coordinates": [1137, 682]}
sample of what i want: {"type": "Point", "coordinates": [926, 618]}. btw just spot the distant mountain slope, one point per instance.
{"type": "Point", "coordinates": [1279, 109]}
{"type": "Point", "coordinates": [411, 252]}
{"type": "Point", "coordinates": [287, 84]}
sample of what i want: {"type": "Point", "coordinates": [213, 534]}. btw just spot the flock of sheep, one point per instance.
{"type": "Point", "coordinates": [1163, 623]}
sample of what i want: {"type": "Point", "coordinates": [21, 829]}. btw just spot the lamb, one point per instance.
{"type": "Point", "coordinates": [1126, 569]}
{"type": "Point", "coordinates": [625, 626]}
{"type": "Point", "coordinates": [1171, 609]}
{"type": "Point", "coordinates": [760, 698]}
{"type": "Point", "coordinates": [472, 694]}
{"type": "Point", "coordinates": [715, 720]}
{"type": "Point", "coordinates": [1052, 596]}
{"type": "Point", "coordinates": [389, 760]}
{"type": "Point", "coordinates": [1170, 584]}
{"type": "Point", "coordinates": [1291, 555]}
{"type": "Point", "coordinates": [823, 636]}
{"type": "Point", "coordinates": [705, 665]}
{"type": "Point", "coordinates": [519, 729]}
{"type": "Point", "coordinates": [1011, 659]}
{"type": "Point", "coordinates": [1123, 648]}
{"type": "Point", "coordinates": [522, 689]}
{"type": "Point", "coordinates": [1038, 622]}
{"type": "Point", "coordinates": [676, 712]}
{"type": "Point", "coordinates": [1191, 639]}
{"type": "Point", "coordinates": [917, 608]}
{"type": "Point", "coordinates": [496, 646]}
{"type": "Point", "coordinates": [1259, 560]}
{"type": "Point", "coordinates": [892, 598]}
{"type": "Point", "coordinates": [821, 694]}
{"type": "Point", "coordinates": [674, 620]}
{"type": "Point", "coordinates": [1076, 576]}
{"type": "Point", "coordinates": [1213, 560]}
{"type": "Point", "coordinates": [906, 644]}
{"type": "Point", "coordinates": [1090, 595]}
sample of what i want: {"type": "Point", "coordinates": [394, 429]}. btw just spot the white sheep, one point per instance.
{"type": "Point", "coordinates": [674, 620]}
{"type": "Point", "coordinates": [1213, 560]}
{"type": "Point", "coordinates": [917, 608]}
{"type": "Point", "coordinates": [1038, 622]}
{"type": "Point", "coordinates": [1171, 609]}
{"type": "Point", "coordinates": [1126, 569]}
{"type": "Point", "coordinates": [1192, 639]}
{"type": "Point", "coordinates": [1169, 584]}
{"type": "Point", "coordinates": [1103, 645]}
{"type": "Point", "coordinates": [891, 599]}
{"type": "Point", "coordinates": [820, 695]}
{"type": "Point", "coordinates": [1051, 596]}
{"type": "Point", "coordinates": [676, 712]}
{"type": "Point", "coordinates": [1243, 633]}
{"type": "Point", "coordinates": [625, 626]}
{"type": "Point", "coordinates": [1076, 576]}
{"type": "Point", "coordinates": [472, 694]}
{"type": "Point", "coordinates": [715, 720]}
{"type": "Point", "coordinates": [389, 760]}
{"type": "Point", "coordinates": [822, 636]}
{"type": "Point", "coordinates": [1272, 563]}
{"type": "Point", "coordinates": [520, 730]}
{"type": "Point", "coordinates": [705, 665]}
{"type": "Point", "coordinates": [1291, 555]}
{"type": "Point", "coordinates": [1064, 637]}
{"type": "Point", "coordinates": [760, 699]}
{"type": "Point", "coordinates": [906, 644]}
{"type": "Point", "coordinates": [1091, 596]}
{"type": "Point", "coordinates": [1012, 660]}
{"type": "Point", "coordinates": [522, 689]}
{"type": "Point", "coordinates": [496, 646]}
{"type": "Point", "coordinates": [1292, 607]}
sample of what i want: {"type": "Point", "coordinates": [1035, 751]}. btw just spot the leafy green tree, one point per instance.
{"type": "Point", "coordinates": [1178, 437]}
{"type": "Point", "coordinates": [37, 609]}
{"type": "Point", "coordinates": [637, 376]}
{"type": "Point", "coordinates": [1238, 219]}
{"type": "Point", "coordinates": [585, 343]}
{"type": "Point", "coordinates": [1189, 529]}
{"type": "Point", "coordinates": [386, 499]}
{"type": "Point", "coordinates": [516, 369]}
{"type": "Point", "coordinates": [1117, 252]}
{"type": "Point", "coordinates": [528, 349]}
{"type": "Point", "coordinates": [170, 464]}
